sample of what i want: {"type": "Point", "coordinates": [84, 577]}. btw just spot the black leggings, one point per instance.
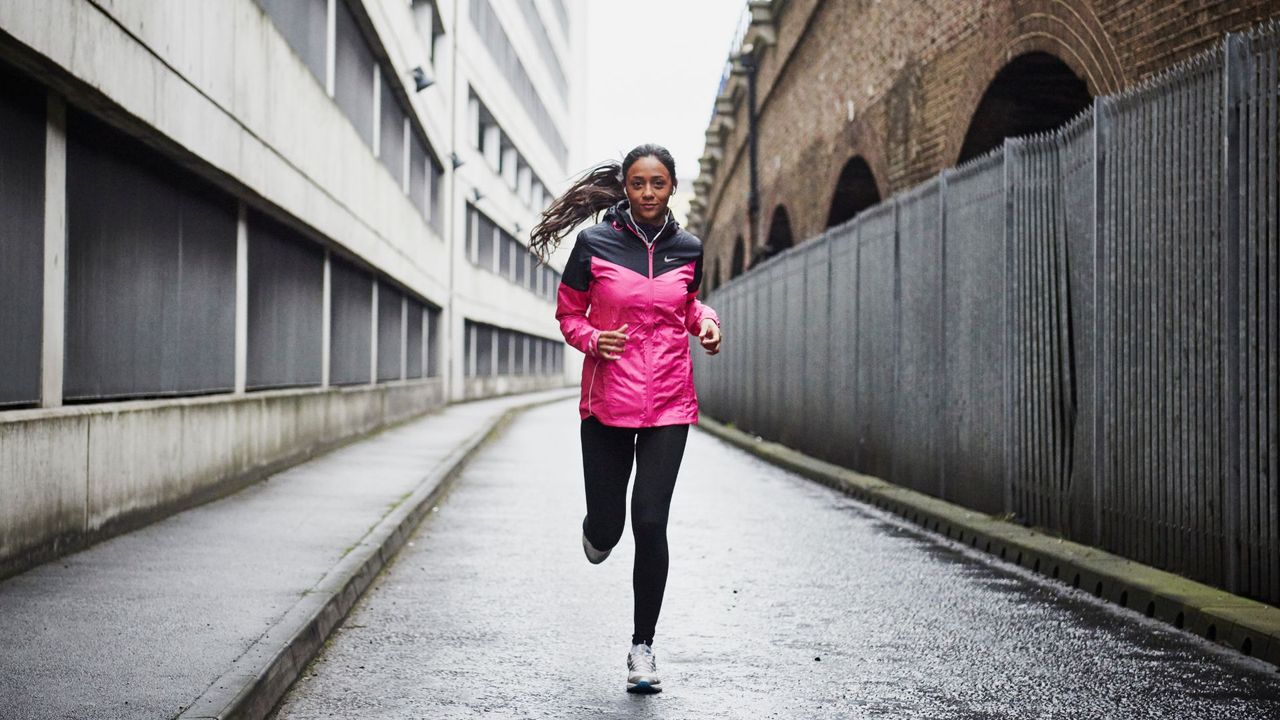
{"type": "Point", "coordinates": [607, 454]}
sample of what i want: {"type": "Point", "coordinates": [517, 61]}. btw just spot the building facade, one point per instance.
{"type": "Point", "coordinates": [237, 232]}
{"type": "Point", "coordinates": [857, 101]}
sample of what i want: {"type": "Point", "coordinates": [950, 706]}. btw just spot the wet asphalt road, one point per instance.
{"type": "Point", "coordinates": [785, 600]}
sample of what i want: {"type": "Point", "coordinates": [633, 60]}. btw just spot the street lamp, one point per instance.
{"type": "Point", "coordinates": [746, 60]}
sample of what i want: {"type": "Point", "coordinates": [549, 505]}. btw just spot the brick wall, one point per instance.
{"type": "Point", "coordinates": [897, 82]}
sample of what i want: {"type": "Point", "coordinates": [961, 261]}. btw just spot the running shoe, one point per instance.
{"type": "Point", "coordinates": [594, 556]}
{"type": "Point", "coordinates": [642, 670]}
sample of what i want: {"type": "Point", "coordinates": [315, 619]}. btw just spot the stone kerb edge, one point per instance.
{"type": "Point", "coordinates": [280, 656]}
{"type": "Point", "coordinates": [1244, 625]}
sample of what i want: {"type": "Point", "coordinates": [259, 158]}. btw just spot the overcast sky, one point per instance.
{"type": "Point", "coordinates": [652, 72]}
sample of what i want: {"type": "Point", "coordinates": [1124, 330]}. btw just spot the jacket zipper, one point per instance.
{"type": "Point", "coordinates": [648, 399]}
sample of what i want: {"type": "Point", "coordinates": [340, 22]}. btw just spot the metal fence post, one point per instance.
{"type": "Point", "coordinates": [1007, 500]}
{"type": "Point", "coordinates": [1100, 135]}
{"type": "Point", "coordinates": [945, 413]}
{"type": "Point", "coordinates": [1234, 70]}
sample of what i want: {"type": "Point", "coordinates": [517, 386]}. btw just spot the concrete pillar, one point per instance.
{"type": "Point", "coordinates": [326, 321]}
{"type": "Point", "coordinates": [474, 131]}
{"type": "Point", "coordinates": [407, 153]}
{"type": "Point", "coordinates": [53, 340]}
{"type": "Point", "coordinates": [524, 183]}
{"type": "Point", "coordinates": [377, 110]}
{"type": "Point", "coordinates": [330, 43]}
{"type": "Point", "coordinates": [510, 166]}
{"type": "Point", "coordinates": [404, 338]}
{"type": "Point", "coordinates": [492, 146]}
{"type": "Point", "coordinates": [242, 297]}
{"type": "Point", "coordinates": [426, 341]}
{"type": "Point", "coordinates": [373, 337]}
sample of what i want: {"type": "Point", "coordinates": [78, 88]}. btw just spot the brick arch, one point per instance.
{"type": "Point", "coordinates": [1068, 30]}
{"type": "Point", "coordinates": [739, 261]}
{"type": "Point", "coordinates": [780, 236]}
{"type": "Point", "coordinates": [854, 190]}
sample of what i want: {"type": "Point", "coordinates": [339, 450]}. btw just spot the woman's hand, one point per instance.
{"type": "Point", "coordinates": [710, 336]}
{"type": "Point", "coordinates": [611, 343]}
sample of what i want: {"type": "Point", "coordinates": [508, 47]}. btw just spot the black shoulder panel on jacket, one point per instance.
{"type": "Point", "coordinates": [577, 271]}
{"type": "Point", "coordinates": [676, 252]}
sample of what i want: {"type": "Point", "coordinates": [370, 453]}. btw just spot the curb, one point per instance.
{"type": "Point", "coordinates": [263, 674]}
{"type": "Point", "coordinates": [1245, 625]}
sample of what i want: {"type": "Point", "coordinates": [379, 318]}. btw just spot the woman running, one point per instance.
{"type": "Point", "coordinates": [627, 300]}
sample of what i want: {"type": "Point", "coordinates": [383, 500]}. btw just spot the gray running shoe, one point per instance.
{"type": "Point", "coordinates": [642, 670]}
{"type": "Point", "coordinates": [594, 556]}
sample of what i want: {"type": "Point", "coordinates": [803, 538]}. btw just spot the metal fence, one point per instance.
{"type": "Point", "coordinates": [1080, 328]}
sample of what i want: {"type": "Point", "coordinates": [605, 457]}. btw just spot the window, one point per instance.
{"type": "Point", "coordinates": [430, 29]}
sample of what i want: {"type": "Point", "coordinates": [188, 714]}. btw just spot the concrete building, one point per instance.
{"type": "Point", "coordinates": [236, 233]}
{"type": "Point", "coordinates": [859, 100]}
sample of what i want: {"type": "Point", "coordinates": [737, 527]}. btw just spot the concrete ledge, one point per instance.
{"type": "Point", "coordinates": [475, 388]}
{"type": "Point", "coordinates": [1248, 626]}
{"type": "Point", "coordinates": [271, 665]}
{"type": "Point", "coordinates": [73, 476]}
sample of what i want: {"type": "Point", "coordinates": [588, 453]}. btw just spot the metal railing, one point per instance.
{"type": "Point", "coordinates": [1080, 328]}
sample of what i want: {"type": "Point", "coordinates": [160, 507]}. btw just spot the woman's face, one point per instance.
{"type": "Point", "coordinates": [649, 187]}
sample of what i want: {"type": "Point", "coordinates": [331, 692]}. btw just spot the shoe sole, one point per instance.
{"type": "Point", "coordinates": [644, 688]}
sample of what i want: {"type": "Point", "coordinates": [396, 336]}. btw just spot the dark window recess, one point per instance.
{"type": "Point", "coordinates": [303, 23]}
{"type": "Point", "coordinates": [506, 260]}
{"type": "Point", "coordinates": [390, 317]}
{"type": "Point", "coordinates": [351, 332]}
{"type": "Point", "coordinates": [485, 20]}
{"type": "Point", "coordinates": [391, 137]}
{"type": "Point", "coordinates": [22, 115]}
{"type": "Point", "coordinates": [484, 243]}
{"type": "Point", "coordinates": [420, 167]}
{"type": "Point", "coordinates": [509, 352]}
{"type": "Point", "coordinates": [286, 293]}
{"type": "Point", "coordinates": [522, 354]}
{"type": "Point", "coordinates": [414, 337]}
{"type": "Point", "coordinates": [435, 184]}
{"type": "Point", "coordinates": [489, 244]}
{"type": "Point", "coordinates": [505, 340]}
{"type": "Point", "coordinates": [484, 350]}
{"type": "Point", "coordinates": [353, 73]}
{"type": "Point", "coordinates": [151, 267]}
{"type": "Point", "coordinates": [539, 31]}
{"type": "Point", "coordinates": [468, 350]}
{"type": "Point", "coordinates": [426, 18]}
{"type": "Point", "coordinates": [522, 265]}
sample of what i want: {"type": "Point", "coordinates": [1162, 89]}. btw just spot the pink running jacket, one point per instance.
{"type": "Point", "coordinates": [614, 277]}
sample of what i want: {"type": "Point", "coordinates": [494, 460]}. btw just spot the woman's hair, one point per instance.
{"type": "Point", "coordinates": [600, 188]}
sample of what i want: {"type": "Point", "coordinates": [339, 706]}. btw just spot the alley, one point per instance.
{"type": "Point", "coordinates": [785, 600]}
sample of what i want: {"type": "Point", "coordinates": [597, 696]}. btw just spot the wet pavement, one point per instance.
{"type": "Point", "coordinates": [785, 600]}
{"type": "Point", "coordinates": [142, 624]}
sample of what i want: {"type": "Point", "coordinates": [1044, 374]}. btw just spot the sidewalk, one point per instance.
{"type": "Point", "coordinates": [211, 612]}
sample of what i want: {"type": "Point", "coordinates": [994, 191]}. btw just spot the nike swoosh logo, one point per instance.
{"type": "Point", "coordinates": [669, 259]}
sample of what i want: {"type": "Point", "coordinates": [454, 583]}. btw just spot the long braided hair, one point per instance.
{"type": "Point", "coordinates": [600, 188]}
